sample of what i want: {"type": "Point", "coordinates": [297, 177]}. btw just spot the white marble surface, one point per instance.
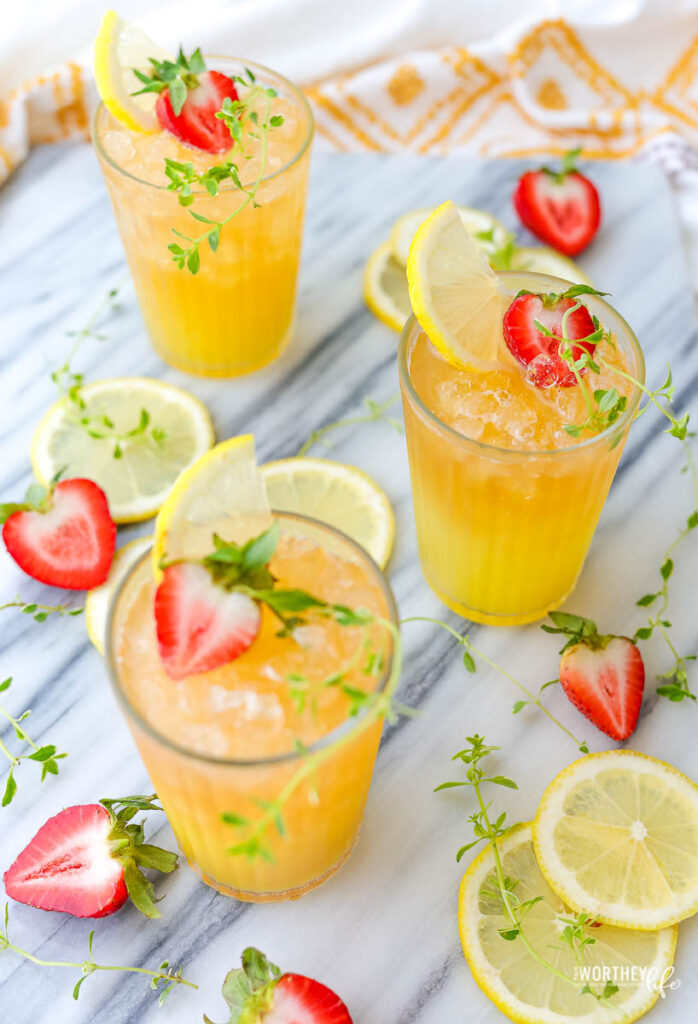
{"type": "Point", "coordinates": [383, 932]}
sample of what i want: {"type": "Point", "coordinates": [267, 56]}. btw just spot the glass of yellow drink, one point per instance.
{"type": "Point", "coordinates": [506, 501]}
{"type": "Point", "coordinates": [274, 724]}
{"type": "Point", "coordinates": [236, 314]}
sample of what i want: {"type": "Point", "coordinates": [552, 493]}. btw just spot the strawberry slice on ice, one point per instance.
{"type": "Point", "coordinates": [201, 625]}
{"type": "Point", "coordinates": [562, 208]}
{"type": "Point", "coordinates": [195, 122]}
{"type": "Point", "coordinates": [258, 993]}
{"type": "Point", "coordinates": [603, 676]}
{"type": "Point", "coordinates": [86, 861]}
{"type": "Point", "coordinates": [64, 537]}
{"type": "Point", "coordinates": [539, 352]}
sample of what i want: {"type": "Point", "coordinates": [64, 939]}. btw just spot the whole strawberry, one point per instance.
{"type": "Point", "coordinates": [86, 861]}
{"type": "Point", "coordinates": [603, 675]}
{"type": "Point", "coordinates": [562, 208]}
{"type": "Point", "coordinates": [62, 535]}
{"type": "Point", "coordinates": [258, 993]}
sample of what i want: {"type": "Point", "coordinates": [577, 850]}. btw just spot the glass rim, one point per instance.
{"type": "Point", "coordinates": [226, 187]}
{"type": "Point", "coordinates": [287, 757]}
{"type": "Point", "coordinates": [491, 450]}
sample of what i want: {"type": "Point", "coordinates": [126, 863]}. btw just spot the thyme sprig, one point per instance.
{"type": "Point", "coordinates": [375, 411]}
{"type": "Point", "coordinates": [470, 653]}
{"type": "Point", "coordinates": [70, 388]}
{"type": "Point", "coordinates": [179, 76]}
{"type": "Point", "coordinates": [245, 124]}
{"type": "Point", "coordinates": [45, 755]}
{"type": "Point", "coordinates": [164, 975]}
{"type": "Point", "coordinates": [375, 706]}
{"type": "Point", "coordinates": [490, 830]}
{"type": "Point", "coordinates": [41, 612]}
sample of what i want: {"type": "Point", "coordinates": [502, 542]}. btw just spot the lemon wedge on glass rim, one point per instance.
{"type": "Point", "coordinates": [119, 48]}
{"type": "Point", "coordinates": [477, 223]}
{"type": "Point", "coordinates": [524, 989]}
{"type": "Point", "coordinates": [616, 836]}
{"type": "Point", "coordinates": [456, 296]}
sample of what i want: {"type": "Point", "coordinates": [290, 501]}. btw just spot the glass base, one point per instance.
{"type": "Point", "coordinates": [222, 371]}
{"type": "Point", "coordinates": [493, 619]}
{"type": "Point", "coordinates": [269, 897]}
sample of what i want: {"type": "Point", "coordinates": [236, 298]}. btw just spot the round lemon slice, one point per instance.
{"type": "Point", "coordinates": [340, 495]}
{"type": "Point", "coordinates": [523, 988]}
{"type": "Point", "coordinates": [119, 48]}
{"type": "Point", "coordinates": [222, 492]}
{"type": "Point", "coordinates": [385, 288]}
{"type": "Point", "coordinates": [456, 296]}
{"type": "Point", "coordinates": [616, 836]}
{"type": "Point", "coordinates": [99, 600]}
{"type": "Point", "coordinates": [149, 456]}
{"type": "Point", "coordinates": [485, 230]}
{"type": "Point", "coordinates": [542, 260]}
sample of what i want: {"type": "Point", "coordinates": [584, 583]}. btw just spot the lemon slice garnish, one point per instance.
{"type": "Point", "coordinates": [119, 48]}
{"type": "Point", "coordinates": [521, 987]}
{"type": "Point", "coordinates": [340, 495]}
{"type": "Point", "coordinates": [136, 483]}
{"type": "Point", "coordinates": [456, 296]}
{"type": "Point", "coordinates": [616, 836]}
{"type": "Point", "coordinates": [485, 230]}
{"type": "Point", "coordinates": [222, 492]}
{"type": "Point", "coordinates": [98, 601]}
{"type": "Point", "coordinates": [541, 260]}
{"type": "Point", "coordinates": [385, 288]}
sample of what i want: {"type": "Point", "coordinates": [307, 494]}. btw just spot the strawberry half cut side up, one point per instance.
{"type": "Point", "coordinates": [603, 675]}
{"type": "Point", "coordinates": [196, 122]}
{"type": "Point", "coordinates": [258, 993]}
{"type": "Point", "coordinates": [87, 860]}
{"type": "Point", "coordinates": [538, 351]}
{"type": "Point", "coordinates": [64, 536]}
{"type": "Point", "coordinates": [562, 208]}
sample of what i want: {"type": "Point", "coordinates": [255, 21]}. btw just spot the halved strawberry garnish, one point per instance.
{"type": "Point", "coordinates": [603, 676]}
{"type": "Point", "coordinates": [258, 993]}
{"type": "Point", "coordinates": [200, 625]}
{"type": "Point", "coordinates": [196, 123]}
{"type": "Point", "coordinates": [539, 352]}
{"type": "Point", "coordinates": [562, 208]}
{"type": "Point", "coordinates": [65, 538]}
{"type": "Point", "coordinates": [86, 861]}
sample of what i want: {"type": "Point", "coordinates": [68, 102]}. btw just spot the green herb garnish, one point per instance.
{"type": "Point", "coordinates": [45, 755]}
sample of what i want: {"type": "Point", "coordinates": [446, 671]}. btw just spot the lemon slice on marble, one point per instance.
{"type": "Point", "coordinates": [222, 492]}
{"type": "Point", "coordinates": [385, 288]}
{"type": "Point", "coordinates": [616, 836]}
{"type": "Point", "coordinates": [521, 987]}
{"type": "Point", "coordinates": [98, 601]}
{"type": "Point", "coordinates": [342, 496]}
{"type": "Point", "coordinates": [485, 230]}
{"type": "Point", "coordinates": [119, 48]}
{"type": "Point", "coordinates": [456, 296]}
{"type": "Point", "coordinates": [542, 260]}
{"type": "Point", "coordinates": [150, 455]}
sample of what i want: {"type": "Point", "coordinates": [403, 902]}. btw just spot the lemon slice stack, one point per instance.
{"type": "Point", "coordinates": [615, 839]}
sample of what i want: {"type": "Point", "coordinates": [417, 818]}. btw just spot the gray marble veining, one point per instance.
{"type": "Point", "coordinates": [383, 932]}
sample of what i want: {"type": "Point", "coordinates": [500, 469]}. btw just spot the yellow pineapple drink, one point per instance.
{"type": "Point", "coordinates": [506, 501]}
{"type": "Point", "coordinates": [235, 314]}
{"type": "Point", "coordinates": [229, 740]}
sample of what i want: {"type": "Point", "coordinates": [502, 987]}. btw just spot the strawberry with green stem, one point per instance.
{"type": "Point", "coordinates": [87, 860]}
{"type": "Point", "coordinates": [560, 206]}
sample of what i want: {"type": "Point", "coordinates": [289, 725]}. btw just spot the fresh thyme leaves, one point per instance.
{"type": "Point", "coordinates": [377, 706]}
{"type": "Point", "coordinates": [375, 411]}
{"type": "Point", "coordinates": [501, 257]}
{"type": "Point", "coordinates": [45, 755]}
{"type": "Point", "coordinates": [471, 652]}
{"type": "Point", "coordinates": [164, 975]}
{"type": "Point", "coordinates": [70, 387]}
{"type": "Point", "coordinates": [488, 829]}
{"type": "Point", "coordinates": [41, 612]}
{"type": "Point", "coordinates": [246, 124]}
{"type": "Point", "coordinates": [178, 76]}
